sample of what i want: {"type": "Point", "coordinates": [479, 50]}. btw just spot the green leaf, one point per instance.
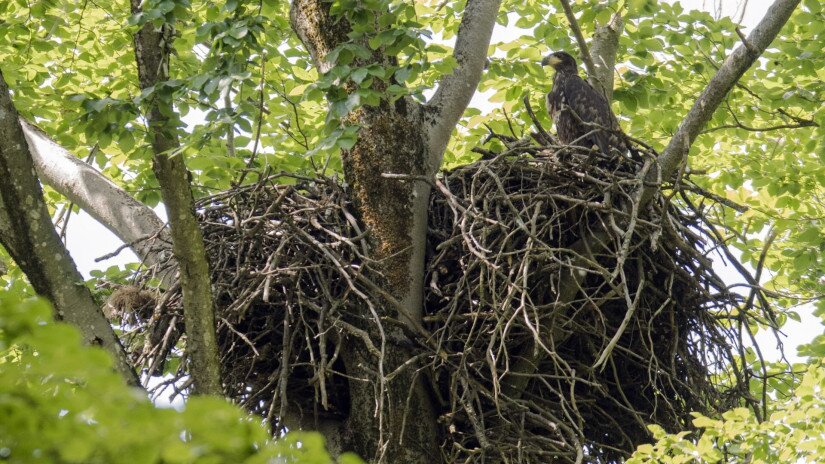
{"type": "Point", "coordinates": [359, 74]}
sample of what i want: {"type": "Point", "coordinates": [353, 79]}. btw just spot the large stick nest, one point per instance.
{"type": "Point", "coordinates": [648, 335]}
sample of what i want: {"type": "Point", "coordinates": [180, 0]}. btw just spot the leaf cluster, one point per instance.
{"type": "Point", "coordinates": [793, 432]}
{"type": "Point", "coordinates": [62, 402]}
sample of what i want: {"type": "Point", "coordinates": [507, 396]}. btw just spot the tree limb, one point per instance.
{"type": "Point", "coordinates": [153, 48]}
{"type": "Point", "coordinates": [739, 125]}
{"type": "Point", "coordinates": [456, 89]}
{"type": "Point", "coordinates": [603, 51]}
{"type": "Point", "coordinates": [577, 32]}
{"type": "Point", "coordinates": [675, 154]}
{"type": "Point", "coordinates": [110, 205]}
{"type": "Point", "coordinates": [29, 236]}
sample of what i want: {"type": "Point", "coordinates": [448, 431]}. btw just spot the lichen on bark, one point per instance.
{"type": "Point", "coordinates": [389, 142]}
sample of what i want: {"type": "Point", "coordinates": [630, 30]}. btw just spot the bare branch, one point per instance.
{"type": "Point", "coordinates": [456, 89]}
{"type": "Point", "coordinates": [739, 125]}
{"type": "Point", "coordinates": [571, 18]}
{"type": "Point", "coordinates": [675, 154]}
{"type": "Point", "coordinates": [603, 51]}
{"type": "Point", "coordinates": [110, 205]}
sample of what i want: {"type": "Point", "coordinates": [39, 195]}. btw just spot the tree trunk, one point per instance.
{"type": "Point", "coordinates": [27, 232]}
{"type": "Point", "coordinates": [400, 146]}
{"type": "Point", "coordinates": [397, 422]}
{"type": "Point", "coordinates": [152, 52]}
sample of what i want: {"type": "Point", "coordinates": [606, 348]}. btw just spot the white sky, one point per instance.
{"type": "Point", "coordinates": [88, 240]}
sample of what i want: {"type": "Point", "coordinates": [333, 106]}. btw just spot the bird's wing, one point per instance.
{"type": "Point", "coordinates": [591, 107]}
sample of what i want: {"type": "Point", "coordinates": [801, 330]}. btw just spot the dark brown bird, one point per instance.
{"type": "Point", "coordinates": [582, 115]}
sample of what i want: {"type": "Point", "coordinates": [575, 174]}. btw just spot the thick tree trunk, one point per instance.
{"type": "Point", "coordinates": [393, 422]}
{"type": "Point", "coordinates": [400, 146]}
{"type": "Point", "coordinates": [26, 231]}
{"type": "Point", "coordinates": [152, 52]}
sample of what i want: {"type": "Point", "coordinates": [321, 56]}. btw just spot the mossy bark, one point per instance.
{"type": "Point", "coordinates": [393, 421]}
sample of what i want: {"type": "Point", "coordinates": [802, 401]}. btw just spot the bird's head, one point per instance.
{"type": "Point", "coordinates": [560, 61]}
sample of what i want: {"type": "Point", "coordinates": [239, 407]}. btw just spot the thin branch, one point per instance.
{"type": "Point", "coordinates": [761, 129]}
{"type": "Point", "coordinates": [546, 138]}
{"type": "Point", "coordinates": [574, 25]}
{"type": "Point", "coordinates": [744, 9]}
{"type": "Point", "coordinates": [745, 41]}
{"type": "Point", "coordinates": [675, 154]}
{"type": "Point", "coordinates": [456, 89]}
{"type": "Point", "coordinates": [605, 43]}
{"type": "Point", "coordinates": [260, 120]}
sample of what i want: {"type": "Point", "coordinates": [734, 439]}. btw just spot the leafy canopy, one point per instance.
{"type": "Point", "coordinates": [794, 432]}
{"type": "Point", "coordinates": [62, 402]}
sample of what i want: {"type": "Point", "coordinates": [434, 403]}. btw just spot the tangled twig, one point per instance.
{"type": "Point", "coordinates": [649, 320]}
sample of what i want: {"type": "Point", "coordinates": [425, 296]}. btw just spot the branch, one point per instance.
{"type": "Point", "coordinates": [675, 154]}
{"type": "Point", "coordinates": [739, 125]}
{"type": "Point", "coordinates": [30, 238]}
{"type": "Point", "coordinates": [153, 49]}
{"type": "Point", "coordinates": [110, 205]}
{"type": "Point", "coordinates": [605, 43]}
{"type": "Point", "coordinates": [456, 89]}
{"type": "Point", "coordinates": [571, 18]}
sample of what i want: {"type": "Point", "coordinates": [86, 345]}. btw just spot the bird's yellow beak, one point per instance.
{"type": "Point", "coordinates": [551, 60]}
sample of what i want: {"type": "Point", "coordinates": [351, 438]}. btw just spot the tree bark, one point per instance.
{"type": "Point", "coordinates": [399, 146]}
{"type": "Point", "coordinates": [152, 52]}
{"type": "Point", "coordinates": [603, 51]}
{"type": "Point", "coordinates": [29, 236]}
{"type": "Point", "coordinates": [380, 426]}
{"type": "Point", "coordinates": [130, 220]}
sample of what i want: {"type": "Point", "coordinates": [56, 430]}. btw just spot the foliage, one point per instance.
{"type": "Point", "coordinates": [794, 432]}
{"type": "Point", "coordinates": [239, 70]}
{"type": "Point", "coordinates": [62, 402]}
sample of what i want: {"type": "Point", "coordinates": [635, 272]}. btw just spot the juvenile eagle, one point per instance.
{"type": "Point", "coordinates": [580, 112]}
